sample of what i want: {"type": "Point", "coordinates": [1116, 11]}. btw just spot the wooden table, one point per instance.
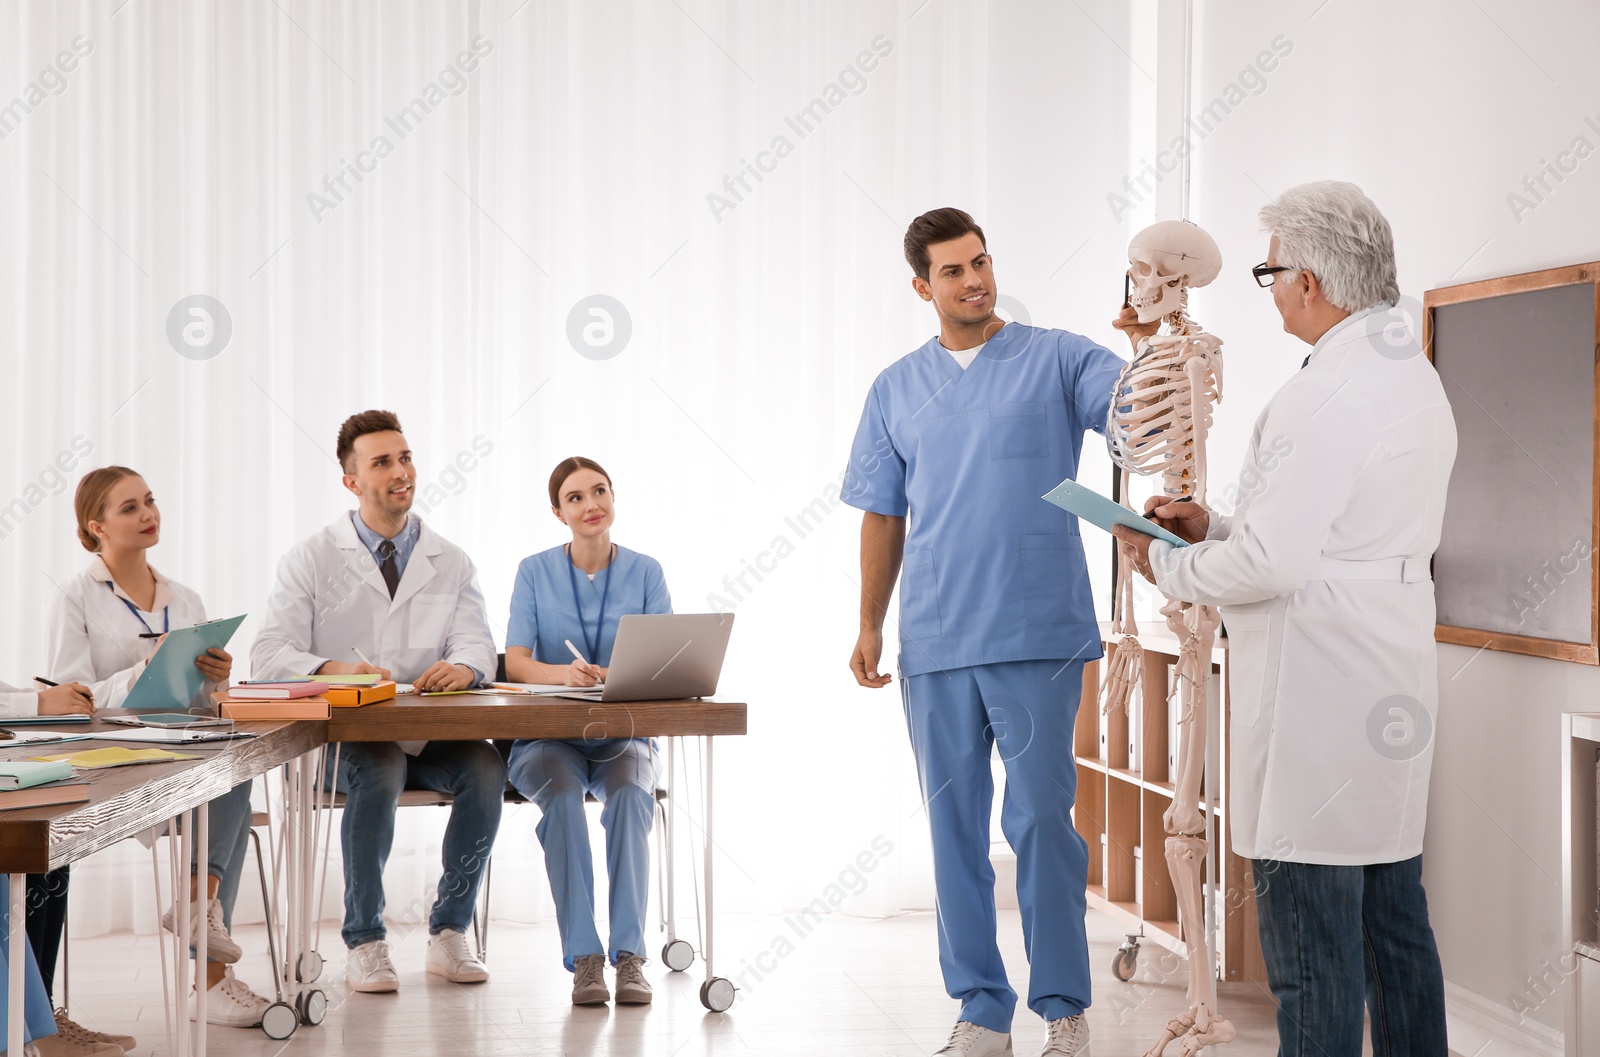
{"type": "Point", "coordinates": [123, 802]}
{"type": "Point", "coordinates": [471, 716]}
{"type": "Point", "coordinates": [460, 717]}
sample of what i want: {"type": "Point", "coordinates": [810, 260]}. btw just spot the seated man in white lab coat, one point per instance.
{"type": "Point", "coordinates": [1322, 575]}
{"type": "Point", "coordinates": [379, 591]}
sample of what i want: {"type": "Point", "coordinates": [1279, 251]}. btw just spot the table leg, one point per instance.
{"type": "Point", "coordinates": [202, 881]}
{"type": "Point", "coordinates": [16, 950]}
{"type": "Point", "coordinates": [710, 917]}
{"type": "Point", "coordinates": [185, 907]}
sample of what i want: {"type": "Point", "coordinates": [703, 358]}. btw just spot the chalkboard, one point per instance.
{"type": "Point", "coordinates": [1515, 569]}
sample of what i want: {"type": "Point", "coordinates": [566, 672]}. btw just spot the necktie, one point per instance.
{"type": "Point", "coordinates": [1304, 362]}
{"type": "Point", "coordinates": [387, 566]}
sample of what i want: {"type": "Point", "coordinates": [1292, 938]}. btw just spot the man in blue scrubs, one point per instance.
{"type": "Point", "coordinates": [964, 436]}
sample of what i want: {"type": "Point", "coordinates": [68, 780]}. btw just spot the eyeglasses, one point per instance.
{"type": "Point", "coordinates": [1264, 272]}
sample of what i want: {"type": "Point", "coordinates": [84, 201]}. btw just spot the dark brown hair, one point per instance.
{"type": "Point", "coordinates": [90, 501]}
{"type": "Point", "coordinates": [359, 425]}
{"type": "Point", "coordinates": [937, 225]}
{"type": "Point", "coordinates": [566, 468]}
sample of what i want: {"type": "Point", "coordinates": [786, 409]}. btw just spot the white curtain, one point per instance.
{"type": "Point", "coordinates": [417, 207]}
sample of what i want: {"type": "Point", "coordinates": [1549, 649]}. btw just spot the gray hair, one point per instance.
{"type": "Point", "coordinates": [1332, 230]}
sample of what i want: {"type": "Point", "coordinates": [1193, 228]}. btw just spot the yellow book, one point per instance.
{"type": "Point", "coordinates": [96, 759]}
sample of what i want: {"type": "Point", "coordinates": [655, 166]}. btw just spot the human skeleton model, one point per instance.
{"type": "Point", "coordinates": [1157, 423]}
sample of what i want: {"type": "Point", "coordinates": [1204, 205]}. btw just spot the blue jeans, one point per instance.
{"type": "Point", "coordinates": [621, 773]}
{"type": "Point", "coordinates": [372, 776]}
{"type": "Point", "coordinates": [229, 842]}
{"type": "Point", "coordinates": [1336, 938]}
{"type": "Point", "coordinates": [958, 719]}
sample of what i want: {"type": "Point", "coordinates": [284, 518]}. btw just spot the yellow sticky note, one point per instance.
{"type": "Point", "coordinates": [93, 759]}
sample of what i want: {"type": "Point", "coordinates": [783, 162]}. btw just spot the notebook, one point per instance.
{"type": "Point", "coordinates": [275, 691]}
{"type": "Point", "coordinates": [20, 774]}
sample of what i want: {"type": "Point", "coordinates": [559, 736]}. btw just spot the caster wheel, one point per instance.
{"type": "Point", "coordinates": [279, 1020]}
{"type": "Point", "coordinates": [716, 994]}
{"type": "Point", "coordinates": [309, 968]}
{"type": "Point", "coordinates": [677, 955]}
{"type": "Point", "coordinates": [1123, 965]}
{"type": "Point", "coordinates": [313, 1006]}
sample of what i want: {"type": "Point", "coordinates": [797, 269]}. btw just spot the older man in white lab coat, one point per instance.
{"type": "Point", "coordinates": [379, 591]}
{"type": "Point", "coordinates": [1322, 574]}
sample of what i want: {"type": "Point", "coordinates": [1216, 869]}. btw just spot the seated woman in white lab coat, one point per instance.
{"type": "Point", "coordinates": [105, 624]}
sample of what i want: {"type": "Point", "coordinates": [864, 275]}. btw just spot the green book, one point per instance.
{"type": "Point", "coordinates": [23, 774]}
{"type": "Point", "coordinates": [348, 680]}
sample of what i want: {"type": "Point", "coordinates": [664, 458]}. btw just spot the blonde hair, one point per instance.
{"type": "Point", "coordinates": [90, 501]}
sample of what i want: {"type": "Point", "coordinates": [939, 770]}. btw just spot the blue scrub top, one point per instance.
{"type": "Point", "coordinates": [543, 614]}
{"type": "Point", "coordinates": [992, 572]}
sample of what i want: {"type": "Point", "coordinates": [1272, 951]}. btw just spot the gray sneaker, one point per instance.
{"type": "Point", "coordinates": [589, 981]}
{"type": "Point", "coordinates": [1066, 1037]}
{"type": "Point", "coordinates": [632, 988]}
{"type": "Point", "coordinates": [970, 1040]}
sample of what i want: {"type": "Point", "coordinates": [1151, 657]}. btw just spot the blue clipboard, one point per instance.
{"type": "Point", "coordinates": [1096, 509]}
{"type": "Point", "coordinates": [171, 680]}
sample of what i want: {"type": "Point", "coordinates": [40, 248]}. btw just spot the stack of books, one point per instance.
{"type": "Point", "coordinates": [24, 784]}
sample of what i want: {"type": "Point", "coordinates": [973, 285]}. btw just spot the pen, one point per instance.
{"type": "Point", "coordinates": [1185, 499]}
{"type": "Point", "coordinates": [150, 634]}
{"type": "Point", "coordinates": [362, 657]}
{"type": "Point", "coordinates": [47, 682]}
{"type": "Point", "coordinates": [580, 656]}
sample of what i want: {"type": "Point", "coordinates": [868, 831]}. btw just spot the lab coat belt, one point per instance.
{"type": "Point", "coordinates": [1401, 570]}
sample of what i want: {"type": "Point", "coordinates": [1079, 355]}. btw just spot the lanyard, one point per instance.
{"type": "Point", "coordinates": [577, 600]}
{"type": "Point", "coordinates": [166, 612]}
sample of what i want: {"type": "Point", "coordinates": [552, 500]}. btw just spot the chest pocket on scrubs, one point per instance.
{"type": "Point", "coordinates": [919, 596]}
{"type": "Point", "coordinates": [428, 622]}
{"type": "Point", "coordinates": [1252, 665]}
{"type": "Point", "coordinates": [1049, 566]}
{"type": "Point", "coordinates": [1018, 431]}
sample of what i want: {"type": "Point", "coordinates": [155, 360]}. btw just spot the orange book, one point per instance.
{"type": "Point", "coordinates": [292, 708]}
{"type": "Point", "coordinates": [353, 696]}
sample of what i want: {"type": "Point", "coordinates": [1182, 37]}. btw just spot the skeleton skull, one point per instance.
{"type": "Point", "coordinates": [1165, 258]}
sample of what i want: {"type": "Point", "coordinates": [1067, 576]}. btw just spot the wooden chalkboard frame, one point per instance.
{"type": "Point", "coordinates": [1570, 275]}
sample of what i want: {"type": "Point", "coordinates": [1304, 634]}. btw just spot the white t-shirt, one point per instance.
{"type": "Point", "coordinates": [966, 356]}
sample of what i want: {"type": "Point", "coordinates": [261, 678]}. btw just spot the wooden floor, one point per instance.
{"type": "Point", "coordinates": [851, 988]}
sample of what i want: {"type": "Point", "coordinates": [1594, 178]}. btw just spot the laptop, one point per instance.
{"type": "Point", "coordinates": [663, 657]}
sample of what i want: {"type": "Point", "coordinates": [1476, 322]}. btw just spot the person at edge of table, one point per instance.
{"type": "Point", "coordinates": [105, 624]}
{"type": "Point", "coordinates": [578, 593]}
{"type": "Point", "coordinates": [378, 591]}
{"type": "Point", "coordinates": [39, 1025]}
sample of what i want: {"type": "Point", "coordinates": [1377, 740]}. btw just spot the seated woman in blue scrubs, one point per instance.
{"type": "Point", "coordinates": [577, 593]}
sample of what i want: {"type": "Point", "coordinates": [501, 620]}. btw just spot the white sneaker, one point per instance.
{"type": "Point", "coordinates": [1066, 1037]}
{"type": "Point", "coordinates": [231, 1004]}
{"type": "Point", "coordinates": [219, 945]}
{"type": "Point", "coordinates": [369, 969]}
{"type": "Point", "coordinates": [450, 957]}
{"type": "Point", "coordinates": [970, 1040]}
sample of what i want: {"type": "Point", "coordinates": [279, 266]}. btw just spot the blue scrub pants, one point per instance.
{"type": "Point", "coordinates": [38, 1018]}
{"type": "Point", "coordinates": [1026, 710]}
{"type": "Point", "coordinates": [621, 773]}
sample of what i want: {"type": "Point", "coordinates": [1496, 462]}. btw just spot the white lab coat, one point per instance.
{"type": "Point", "coordinates": [94, 639]}
{"type": "Point", "coordinates": [330, 597]}
{"type": "Point", "coordinates": [1322, 576]}
{"type": "Point", "coordinates": [15, 702]}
